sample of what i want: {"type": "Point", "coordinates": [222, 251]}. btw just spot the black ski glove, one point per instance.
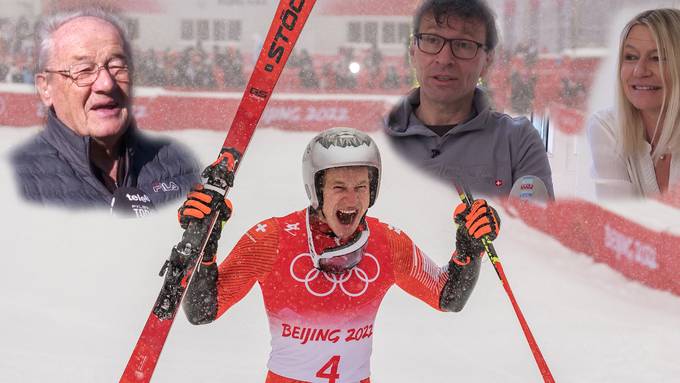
{"type": "Point", "coordinates": [475, 222]}
{"type": "Point", "coordinates": [200, 203]}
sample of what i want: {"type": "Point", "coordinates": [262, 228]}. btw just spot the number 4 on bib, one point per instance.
{"type": "Point", "coordinates": [330, 370]}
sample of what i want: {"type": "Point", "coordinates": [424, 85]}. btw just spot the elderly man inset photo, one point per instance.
{"type": "Point", "coordinates": [90, 145]}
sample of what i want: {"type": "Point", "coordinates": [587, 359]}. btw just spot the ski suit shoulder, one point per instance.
{"type": "Point", "coordinates": [414, 271]}
{"type": "Point", "coordinates": [248, 262]}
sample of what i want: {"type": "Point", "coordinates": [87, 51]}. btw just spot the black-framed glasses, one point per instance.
{"type": "Point", "coordinates": [461, 48]}
{"type": "Point", "coordinates": [85, 74]}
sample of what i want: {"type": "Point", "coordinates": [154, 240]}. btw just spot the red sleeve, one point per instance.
{"type": "Point", "coordinates": [414, 271]}
{"type": "Point", "coordinates": [249, 261]}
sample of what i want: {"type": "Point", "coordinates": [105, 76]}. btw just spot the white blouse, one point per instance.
{"type": "Point", "coordinates": [615, 175]}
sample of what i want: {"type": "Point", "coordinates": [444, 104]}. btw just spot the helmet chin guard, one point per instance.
{"type": "Point", "coordinates": [336, 148]}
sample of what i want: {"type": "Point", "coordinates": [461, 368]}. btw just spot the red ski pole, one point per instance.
{"type": "Point", "coordinates": [466, 197]}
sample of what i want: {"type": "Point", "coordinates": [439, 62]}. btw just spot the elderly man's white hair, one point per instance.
{"type": "Point", "coordinates": [50, 23]}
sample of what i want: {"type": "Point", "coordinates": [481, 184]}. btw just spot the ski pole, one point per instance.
{"type": "Point", "coordinates": [466, 198]}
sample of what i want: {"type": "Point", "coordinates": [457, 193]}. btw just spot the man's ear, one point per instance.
{"type": "Point", "coordinates": [43, 89]}
{"type": "Point", "coordinates": [487, 62]}
{"type": "Point", "coordinates": [412, 47]}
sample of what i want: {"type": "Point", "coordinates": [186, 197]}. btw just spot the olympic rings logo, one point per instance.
{"type": "Point", "coordinates": [336, 280]}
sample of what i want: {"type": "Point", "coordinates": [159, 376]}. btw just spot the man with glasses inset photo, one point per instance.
{"type": "Point", "coordinates": [90, 145]}
{"type": "Point", "coordinates": [446, 125]}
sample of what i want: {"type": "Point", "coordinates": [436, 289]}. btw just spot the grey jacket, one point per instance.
{"type": "Point", "coordinates": [54, 168]}
{"type": "Point", "coordinates": [488, 152]}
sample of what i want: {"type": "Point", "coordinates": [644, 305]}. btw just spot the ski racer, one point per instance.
{"type": "Point", "coordinates": [325, 269]}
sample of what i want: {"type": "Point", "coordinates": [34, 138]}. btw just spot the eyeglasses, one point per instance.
{"type": "Point", "coordinates": [85, 74]}
{"type": "Point", "coordinates": [461, 48]}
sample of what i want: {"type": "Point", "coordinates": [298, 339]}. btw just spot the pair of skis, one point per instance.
{"type": "Point", "coordinates": [284, 31]}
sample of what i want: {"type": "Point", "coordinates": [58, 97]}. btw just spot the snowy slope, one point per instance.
{"type": "Point", "coordinates": [77, 288]}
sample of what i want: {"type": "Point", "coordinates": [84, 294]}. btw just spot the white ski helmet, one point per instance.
{"type": "Point", "coordinates": [335, 148]}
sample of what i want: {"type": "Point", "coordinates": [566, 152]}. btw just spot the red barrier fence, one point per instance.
{"type": "Point", "coordinates": [645, 255]}
{"type": "Point", "coordinates": [167, 110]}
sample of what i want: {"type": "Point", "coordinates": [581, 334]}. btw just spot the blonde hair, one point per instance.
{"type": "Point", "coordinates": [664, 25]}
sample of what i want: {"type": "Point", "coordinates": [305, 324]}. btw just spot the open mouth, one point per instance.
{"type": "Point", "coordinates": [111, 105]}
{"type": "Point", "coordinates": [346, 216]}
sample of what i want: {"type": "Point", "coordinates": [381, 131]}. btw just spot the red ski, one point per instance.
{"type": "Point", "coordinates": [284, 31]}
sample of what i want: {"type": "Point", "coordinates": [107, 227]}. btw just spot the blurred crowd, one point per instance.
{"type": "Point", "coordinates": [223, 68]}
{"type": "Point", "coordinates": [522, 79]}
{"type": "Point", "coordinates": [220, 68]}
{"type": "Point", "coordinates": [349, 69]}
{"type": "Point", "coordinates": [193, 67]}
{"type": "Point", "coordinates": [16, 51]}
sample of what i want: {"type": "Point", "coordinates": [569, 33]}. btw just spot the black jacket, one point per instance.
{"type": "Point", "coordinates": [54, 168]}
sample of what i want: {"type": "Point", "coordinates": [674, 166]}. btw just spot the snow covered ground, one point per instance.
{"type": "Point", "coordinates": [76, 289]}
